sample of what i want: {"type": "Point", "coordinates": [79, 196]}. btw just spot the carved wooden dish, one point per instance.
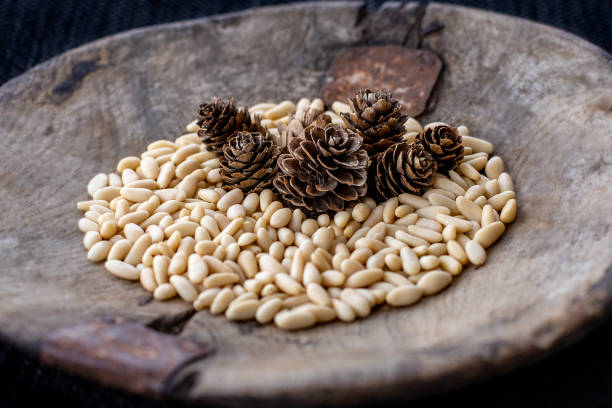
{"type": "Point", "coordinates": [542, 96]}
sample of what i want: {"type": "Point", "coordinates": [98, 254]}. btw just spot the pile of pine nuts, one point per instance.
{"type": "Point", "coordinates": [163, 219]}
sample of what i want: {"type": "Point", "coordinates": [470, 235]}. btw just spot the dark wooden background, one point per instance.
{"type": "Point", "coordinates": [32, 31]}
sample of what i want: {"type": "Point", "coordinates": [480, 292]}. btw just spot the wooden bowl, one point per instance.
{"type": "Point", "coordinates": [542, 96]}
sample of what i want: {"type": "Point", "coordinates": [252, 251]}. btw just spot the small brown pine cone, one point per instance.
{"type": "Point", "coordinates": [219, 121]}
{"type": "Point", "coordinates": [445, 144]}
{"type": "Point", "coordinates": [249, 162]}
{"type": "Point", "coordinates": [377, 117]}
{"type": "Point", "coordinates": [297, 123]}
{"type": "Point", "coordinates": [323, 171]}
{"type": "Point", "coordinates": [402, 168]}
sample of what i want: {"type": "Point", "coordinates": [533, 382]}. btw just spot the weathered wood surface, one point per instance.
{"type": "Point", "coordinates": [543, 97]}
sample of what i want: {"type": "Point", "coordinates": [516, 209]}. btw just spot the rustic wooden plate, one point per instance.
{"type": "Point", "coordinates": [542, 96]}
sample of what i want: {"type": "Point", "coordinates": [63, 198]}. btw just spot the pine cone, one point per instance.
{"type": "Point", "coordinates": [324, 170]}
{"type": "Point", "coordinates": [249, 162]}
{"type": "Point", "coordinates": [402, 168]}
{"type": "Point", "coordinates": [220, 121]}
{"type": "Point", "coordinates": [298, 122]}
{"type": "Point", "coordinates": [445, 144]}
{"type": "Point", "coordinates": [376, 117]}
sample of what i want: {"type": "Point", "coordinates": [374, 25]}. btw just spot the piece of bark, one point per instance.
{"type": "Point", "coordinates": [410, 74]}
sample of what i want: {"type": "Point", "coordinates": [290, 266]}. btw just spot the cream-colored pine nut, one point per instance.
{"type": "Point", "coordinates": [478, 163]}
{"type": "Point", "coordinates": [429, 262]}
{"type": "Point", "coordinates": [248, 263]}
{"type": "Point", "coordinates": [351, 228]}
{"type": "Point", "coordinates": [202, 234]}
{"type": "Point", "coordinates": [160, 268]}
{"type": "Point", "coordinates": [414, 201]}
{"type": "Point", "coordinates": [220, 279]}
{"type": "Point", "coordinates": [135, 254]}
{"type": "Point", "coordinates": [410, 261]}
{"type": "Point", "coordinates": [297, 266]}
{"type": "Point", "coordinates": [444, 183]}
{"type": "Point", "coordinates": [269, 263]}
{"type": "Point", "coordinates": [266, 312]}
{"type": "Point", "coordinates": [215, 265]}
{"type": "Point", "coordinates": [439, 191]}
{"type": "Point", "coordinates": [475, 253]}
{"type": "Point", "coordinates": [431, 211]}
{"type": "Point", "coordinates": [86, 225]}
{"type": "Point", "coordinates": [174, 241]}
{"type": "Point", "coordinates": [364, 278]}
{"type": "Point", "coordinates": [318, 104]}
{"type": "Point", "coordinates": [499, 200]}
{"type": "Point", "coordinates": [441, 200]}
{"type": "Point", "coordinates": [434, 281]}
{"type": "Point", "coordinates": [178, 264]}
{"type": "Point", "coordinates": [184, 288]}
{"type": "Point", "coordinates": [120, 249]}
{"type": "Point", "coordinates": [356, 301]}
{"type": "Point", "coordinates": [449, 232]}
{"type": "Point", "coordinates": [396, 279]}
{"type": "Point", "coordinates": [490, 233]}
{"type": "Point", "coordinates": [361, 212]}
{"type": "Point", "coordinates": [265, 276]}
{"type": "Point", "coordinates": [164, 158]}
{"type": "Point", "coordinates": [165, 291]}
{"type": "Point", "coordinates": [135, 194]}
{"type": "Point", "coordinates": [197, 270]}
{"type": "Point", "coordinates": [132, 232]}
{"type": "Point", "coordinates": [147, 279]}
{"type": "Point", "coordinates": [491, 188]}
{"type": "Point", "coordinates": [132, 218]}
{"type": "Point", "coordinates": [410, 239]}
{"type": "Point", "coordinates": [413, 125]}
{"type": "Point", "coordinates": [394, 243]}
{"type": "Point", "coordinates": [236, 211]}
{"type": "Point", "coordinates": [97, 182]}
{"type": "Point", "coordinates": [469, 209]}
{"type": "Point", "coordinates": [456, 178]}
{"type": "Point", "coordinates": [114, 180]}
{"type": "Point", "coordinates": [282, 109]}
{"type": "Point", "coordinates": [155, 153]}
{"type": "Point", "coordinates": [211, 225]}
{"type": "Point", "coordinates": [205, 298]}
{"type": "Point", "coordinates": [424, 233]}
{"type": "Point", "coordinates": [129, 176]}
{"type": "Point", "coordinates": [494, 167]}
{"type": "Point", "coordinates": [156, 233]}
{"type": "Point", "coordinates": [508, 212]}
{"type": "Point", "coordinates": [186, 228]}
{"type": "Point", "coordinates": [288, 285]}
{"type": "Point", "coordinates": [309, 227]}
{"type": "Point", "coordinates": [480, 201]}
{"type": "Point", "coordinates": [253, 286]}
{"type": "Point", "coordinates": [222, 301]}
{"type": "Point", "coordinates": [150, 205]}
{"type": "Point", "coordinates": [281, 217]}
{"type": "Point", "coordinates": [186, 168]}
{"type": "Point", "coordinates": [150, 168]}
{"type": "Point", "coordinates": [361, 254]}
{"type": "Point", "coordinates": [342, 218]}
{"type": "Point", "coordinates": [209, 195]}
{"type": "Point", "coordinates": [488, 215]}
{"type": "Point", "coordinates": [86, 205]}
{"type": "Point", "coordinates": [421, 250]}
{"type": "Point", "coordinates": [378, 232]}
{"type": "Point", "coordinates": [323, 220]}
{"type": "Point", "coordinates": [450, 264]}
{"type": "Point", "coordinates": [122, 270]}
{"type": "Point", "coordinates": [181, 154]}
{"type": "Point", "coordinates": [455, 250]}
{"type": "Point", "coordinates": [332, 278]}
{"type": "Point", "coordinates": [374, 218]}
{"type": "Point", "coordinates": [382, 285]}
{"type": "Point", "coordinates": [265, 198]}
{"type": "Point", "coordinates": [286, 236]}
{"type": "Point", "coordinates": [320, 259]}
{"type": "Point", "coordinates": [190, 184]}
{"type": "Point", "coordinates": [340, 107]}
{"type": "Point", "coordinates": [130, 162]}
{"type": "Point", "coordinates": [247, 238]}
{"type": "Point", "coordinates": [242, 310]}
{"type": "Point", "coordinates": [323, 238]}
{"type": "Point", "coordinates": [393, 262]}
{"type": "Point", "coordinates": [91, 238]}
{"type": "Point", "coordinates": [293, 301]}
{"type": "Point", "coordinates": [311, 274]}
{"type": "Point", "coordinates": [221, 220]}
{"type": "Point", "coordinates": [206, 247]}
{"type": "Point", "coordinates": [469, 171]}
{"type": "Point", "coordinates": [320, 312]}
{"type": "Point", "coordinates": [294, 320]}
{"type": "Point", "coordinates": [99, 251]}
{"type": "Point", "coordinates": [372, 244]}
{"type": "Point", "coordinates": [478, 145]}
{"type": "Point", "coordinates": [505, 182]}
{"type": "Point", "coordinates": [389, 210]}
{"type": "Point", "coordinates": [474, 192]}
{"type": "Point", "coordinates": [429, 224]}
{"type": "Point", "coordinates": [437, 249]}
{"type": "Point", "coordinates": [459, 224]}
{"type": "Point", "coordinates": [404, 295]}
{"type": "Point", "coordinates": [296, 220]}
{"type": "Point", "coordinates": [403, 210]}
{"type": "Point", "coordinates": [368, 296]}
{"type": "Point", "coordinates": [350, 266]}
{"type": "Point", "coordinates": [344, 312]}
{"type": "Point", "coordinates": [166, 174]}
{"type": "Point", "coordinates": [162, 143]}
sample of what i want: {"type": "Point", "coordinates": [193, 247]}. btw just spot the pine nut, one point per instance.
{"type": "Point", "coordinates": [492, 188]}
{"type": "Point", "coordinates": [434, 281]}
{"type": "Point", "coordinates": [243, 310]}
{"type": "Point", "coordinates": [99, 251]}
{"type": "Point", "coordinates": [413, 200]}
{"type": "Point", "coordinates": [364, 278]}
{"type": "Point", "coordinates": [147, 279]}
{"type": "Point", "coordinates": [361, 254]}
{"type": "Point", "coordinates": [86, 225]}
{"type": "Point", "coordinates": [505, 182]}
{"type": "Point", "coordinates": [478, 145]}
{"type": "Point", "coordinates": [220, 279]}
{"type": "Point", "coordinates": [499, 200]}
{"type": "Point", "coordinates": [429, 224]}
{"type": "Point", "coordinates": [186, 228]}
{"type": "Point", "coordinates": [508, 212]}
{"type": "Point", "coordinates": [135, 254]}
{"type": "Point", "coordinates": [266, 312]}
{"type": "Point", "coordinates": [474, 192]}
{"type": "Point", "coordinates": [97, 182]}
{"type": "Point", "coordinates": [488, 215]}
{"type": "Point", "coordinates": [361, 212]}
{"type": "Point", "coordinates": [184, 288]}
{"type": "Point", "coordinates": [122, 270]}
{"type": "Point", "coordinates": [469, 209]}
{"type": "Point", "coordinates": [475, 253]}
{"type": "Point", "coordinates": [222, 301]}
{"type": "Point", "coordinates": [490, 233]}
{"type": "Point", "coordinates": [91, 238]}
{"type": "Point", "coordinates": [481, 201]}
{"type": "Point", "coordinates": [294, 320]}
{"type": "Point", "coordinates": [449, 185]}
{"type": "Point", "coordinates": [494, 167]}
{"type": "Point", "coordinates": [120, 249]}
{"type": "Point", "coordinates": [424, 233]}
{"type": "Point", "coordinates": [165, 291]}
{"type": "Point", "coordinates": [459, 224]}
{"type": "Point", "coordinates": [432, 211]}
{"type": "Point", "coordinates": [429, 262]}
{"type": "Point", "coordinates": [404, 295]}
{"type": "Point", "coordinates": [356, 301]}
{"type": "Point", "coordinates": [344, 312]}
{"type": "Point", "coordinates": [287, 284]}
{"type": "Point", "coordinates": [450, 264]}
{"type": "Point", "coordinates": [311, 274]}
{"type": "Point", "coordinates": [449, 232]}
{"type": "Point", "coordinates": [437, 249]}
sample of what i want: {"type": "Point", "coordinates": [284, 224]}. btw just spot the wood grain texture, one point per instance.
{"type": "Point", "coordinates": [543, 97]}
